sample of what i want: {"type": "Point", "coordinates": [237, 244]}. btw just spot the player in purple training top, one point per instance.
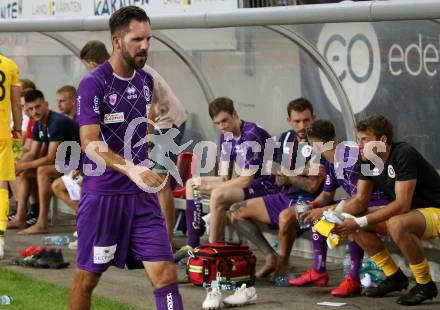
{"type": "Point", "coordinates": [242, 136]}
{"type": "Point", "coordinates": [118, 222]}
{"type": "Point", "coordinates": [342, 170]}
{"type": "Point", "coordinates": [235, 143]}
{"type": "Point", "coordinates": [266, 209]}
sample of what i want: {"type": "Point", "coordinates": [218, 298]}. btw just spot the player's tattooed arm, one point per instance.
{"type": "Point", "coordinates": [310, 183]}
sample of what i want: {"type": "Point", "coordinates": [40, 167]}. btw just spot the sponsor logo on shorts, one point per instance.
{"type": "Point", "coordinates": [103, 254]}
{"type": "Point", "coordinates": [113, 118]}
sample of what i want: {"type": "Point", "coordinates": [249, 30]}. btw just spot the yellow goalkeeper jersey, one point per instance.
{"type": "Point", "coordinates": [8, 78]}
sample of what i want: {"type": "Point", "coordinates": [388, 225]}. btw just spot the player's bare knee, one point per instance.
{"type": "Point", "coordinates": [217, 197]}
{"type": "Point", "coordinates": [168, 276]}
{"type": "Point", "coordinates": [87, 280]}
{"type": "Point", "coordinates": [286, 218]}
{"type": "Point", "coordinates": [41, 169]}
{"type": "Point", "coordinates": [395, 227]}
{"type": "Point", "coordinates": [57, 186]}
{"type": "Point", "coordinates": [42, 172]}
{"type": "Point", "coordinates": [26, 174]}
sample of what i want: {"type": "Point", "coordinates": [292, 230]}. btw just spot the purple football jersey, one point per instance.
{"type": "Point", "coordinates": [120, 107]}
{"type": "Point", "coordinates": [242, 154]}
{"type": "Point", "coordinates": [350, 178]}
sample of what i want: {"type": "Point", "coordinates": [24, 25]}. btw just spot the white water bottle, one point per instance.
{"type": "Point", "coordinates": [301, 207]}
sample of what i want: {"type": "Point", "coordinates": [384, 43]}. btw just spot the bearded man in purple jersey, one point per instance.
{"type": "Point", "coordinates": [119, 223]}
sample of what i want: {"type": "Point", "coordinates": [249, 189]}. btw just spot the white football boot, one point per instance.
{"type": "Point", "coordinates": [242, 296]}
{"type": "Point", "coordinates": [213, 299]}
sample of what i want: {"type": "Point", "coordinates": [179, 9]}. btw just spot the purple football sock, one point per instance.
{"type": "Point", "coordinates": [319, 243]}
{"type": "Point", "coordinates": [168, 298]}
{"type": "Point", "coordinates": [193, 216]}
{"type": "Point", "coordinates": [356, 255]}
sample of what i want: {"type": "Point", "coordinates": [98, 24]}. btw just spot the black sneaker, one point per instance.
{"type": "Point", "coordinates": [12, 215]}
{"type": "Point", "coordinates": [29, 261]}
{"type": "Point", "coordinates": [32, 215]}
{"type": "Point", "coordinates": [394, 283]}
{"type": "Point", "coordinates": [418, 294]}
{"type": "Point", "coordinates": [51, 259]}
{"type": "Point", "coordinates": [31, 218]}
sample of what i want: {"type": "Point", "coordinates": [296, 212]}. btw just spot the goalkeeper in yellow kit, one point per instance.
{"type": "Point", "coordinates": [10, 89]}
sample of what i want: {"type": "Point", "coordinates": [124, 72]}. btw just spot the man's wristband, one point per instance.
{"type": "Point", "coordinates": [361, 221]}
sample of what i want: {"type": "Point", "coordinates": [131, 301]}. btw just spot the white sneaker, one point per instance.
{"type": "Point", "coordinates": [2, 248]}
{"type": "Point", "coordinates": [212, 300]}
{"type": "Point", "coordinates": [242, 296]}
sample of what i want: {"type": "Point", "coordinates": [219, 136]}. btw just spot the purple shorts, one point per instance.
{"type": "Point", "coordinates": [276, 203]}
{"type": "Point", "coordinates": [259, 191]}
{"type": "Point", "coordinates": [119, 230]}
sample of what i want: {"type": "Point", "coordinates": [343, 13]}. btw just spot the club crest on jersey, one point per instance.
{"type": "Point", "coordinates": [112, 99]}
{"type": "Point", "coordinates": [147, 93]}
{"type": "Point", "coordinates": [131, 92]}
{"type": "Point", "coordinates": [391, 172]}
{"type": "Point", "coordinates": [306, 151]}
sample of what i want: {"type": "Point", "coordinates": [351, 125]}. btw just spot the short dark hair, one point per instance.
{"type": "Point", "coordinates": [67, 89]}
{"type": "Point", "coordinates": [27, 84]}
{"type": "Point", "coordinates": [94, 51]}
{"type": "Point", "coordinates": [299, 105]}
{"type": "Point", "coordinates": [33, 94]}
{"type": "Point", "coordinates": [221, 104]}
{"type": "Point", "coordinates": [122, 18]}
{"type": "Point", "coordinates": [322, 130]}
{"type": "Point", "coordinates": [378, 125]}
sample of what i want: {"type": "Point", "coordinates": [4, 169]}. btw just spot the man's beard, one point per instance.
{"type": "Point", "coordinates": [302, 134]}
{"type": "Point", "coordinates": [131, 60]}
